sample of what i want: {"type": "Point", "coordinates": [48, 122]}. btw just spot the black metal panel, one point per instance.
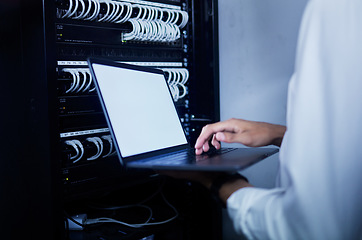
{"type": "Point", "coordinates": [204, 88]}
{"type": "Point", "coordinates": [29, 177]}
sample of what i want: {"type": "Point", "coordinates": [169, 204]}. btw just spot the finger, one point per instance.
{"type": "Point", "coordinates": [225, 137]}
{"type": "Point", "coordinates": [228, 137]}
{"type": "Point", "coordinates": [198, 151]}
{"type": "Point", "coordinates": [215, 142]}
{"type": "Point", "coordinates": [209, 130]}
{"type": "Point", "coordinates": [203, 138]}
{"type": "Point", "coordinates": [206, 147]}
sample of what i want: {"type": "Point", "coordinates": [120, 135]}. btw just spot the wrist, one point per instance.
{"type": "Point", "coordinates": [224, 185]}
{"type": "Point", "coordinates": [278, 132]}
{"type": "Point", "coordinates": [230, 187]}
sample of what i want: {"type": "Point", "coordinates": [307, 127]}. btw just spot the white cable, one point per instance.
{"type": "Point", "coordinates": [83, 10]}
{"type": "Point", "coordinates": [108, 9]}
{"type": "Point", "coordinates": [119, 12]}
{"type": "Point", "coordinates": [153, 30]}
{"type": "Point", "coordinates": [95, 11]}
{"type": "Point", "coordinates": [185, 19]}
{"type": "Point", "coordinates": [142, 32]}
{"type": "Point", "coordinates": [150, 13]}
{"type": "Point", "coordinates": [169, 33]}
{"type": "Point", "coordinates": [175, 17]}
{"type": "Point", "coordinates": [184, 90]}
{"type": "Point", "coordinates": [148, 30]}
{"type": "Point", "coordinates": [157, 30]}
{"type": "Point", "coordinates": [161, 31]}
{"type": "Point", "coordinates": [140, 10]}
{"type": "Point", "coordinates": [90, 80]}
{"type": "Point", "coordinates": [80, 145]}
{"type": "Point", "coordinates": [178, 32]}
{"type": "Point", "coordinates": [96, 143]}
{"type": "Point", "coordinates": [69, 9]}
{"type": "Point", "coordinates": [115, 9]}
{"type": "Point", "coordinates": [138, 29]}
{"type": "Point", "coordinates": [99, 144]}
{"type": "Point", "coordinates": [128, 14]}
{"type": "Point", "coordinates": [179, 18]}
{"type": "Point", "coordinates": [75, 9]}
{"type": "Point", "coordinates": [129, 11]}
{"type": "Point", "coordinates": [168, 76]}
{"type": "Point", "coordinates": [149, 25]}
{"type": "Point", "coordinates": [135, 225]}
{"type": "Point", "coordinates": [77, 145]}
{"type": "Point", "coordinates": [168, 15]}
{"type": "Point", "coordinates": [176, 92]}
{"type": "Point", "coordinates": [75, 80]}
{"type": "Point", "coordinates": [176, 79]}
{"type": "Point", "coordinates": [145, 9]}
{"type": "Point", "coordinates": [88, 15]}
{"type": "Point", "coordinates": [155, 14]}
{"type": "Point", "coordinates": [185, 74]}
{"type": "Point", "coordinates": [135, 31]}
{"type": "Point", "coordinates": [161, 14]}
{"type": "Point", "coordinates": [171, 82]}
{"type": "Point", "coordinates": [88, 10]}
{"type": "Point", "coordinates": [109, 139]}
{"type": "Point", "coordinates": [84, 80]}
{"type": "Point", "coordinates": [184, 77]}
{"type": "Point", "coordinates": [78, 80]}
{"type": "Point", "coordinates": [71, 143]}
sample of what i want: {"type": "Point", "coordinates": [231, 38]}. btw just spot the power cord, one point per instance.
{"type": "Point", "coordinates": [135, 225]}
{"type": "Point", "coordinates": [82, 221]}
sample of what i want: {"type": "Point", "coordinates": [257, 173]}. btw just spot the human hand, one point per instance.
{"type": "Point", "coordinates": [249, 133]}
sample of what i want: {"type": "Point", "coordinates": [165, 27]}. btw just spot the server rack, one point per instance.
{"type": "Point", "coordinates": [60, 150]}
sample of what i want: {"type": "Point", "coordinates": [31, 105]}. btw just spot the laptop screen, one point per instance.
{"type": "Point", "coordinates": [140, 109]}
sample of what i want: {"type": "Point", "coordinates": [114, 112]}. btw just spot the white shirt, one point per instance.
{"type": "Point", "coordinates": [319, 195]}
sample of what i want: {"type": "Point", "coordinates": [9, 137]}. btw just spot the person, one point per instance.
{"type": "Point", "coordinates": [319, 187]}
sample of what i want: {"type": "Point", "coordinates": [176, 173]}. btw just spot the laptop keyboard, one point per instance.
{"type": "Point", "coordinates": [180, 157]}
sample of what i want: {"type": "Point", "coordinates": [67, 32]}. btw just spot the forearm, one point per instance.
{"type": "Point", "coordinates": [228, 188]}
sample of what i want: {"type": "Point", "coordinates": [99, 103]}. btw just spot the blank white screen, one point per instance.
{"type": "Point", "coordinates": [140, 109]}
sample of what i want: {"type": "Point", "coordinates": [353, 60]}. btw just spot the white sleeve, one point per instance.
{"type": "Point", "coordinates": [320, 193]}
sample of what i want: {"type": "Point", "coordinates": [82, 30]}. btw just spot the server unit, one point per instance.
{"type": "Point", "coordinates": [63, 153]}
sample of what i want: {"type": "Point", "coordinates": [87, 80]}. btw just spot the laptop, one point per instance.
{"type": "Point", "coordinates": [145, 126]}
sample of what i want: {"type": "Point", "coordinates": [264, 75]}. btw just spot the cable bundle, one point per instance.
{"type": "Point", "coordinates": [176, 79]}
{"type": "Point", "coordinates": [79, 149]}
{"type": "Point", "coordinates": [81, 80]}
{"type": "Point", "coordinates": [150, 24]}
{"type": "Point", "coordinates": [99, 144]}
{"type": "Point", "coordinates": [81, 9]}
{"type": "Point", "coordinates": [116, 12]}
